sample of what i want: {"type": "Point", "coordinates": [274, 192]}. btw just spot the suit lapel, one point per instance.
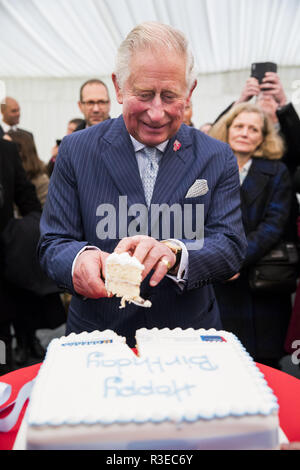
{"type": "Point", "coordinates": [120, 161]}
{"type": "Point", "coordinates": [174, 165]}
{"type": "Point", "coordinates": [253, 185]}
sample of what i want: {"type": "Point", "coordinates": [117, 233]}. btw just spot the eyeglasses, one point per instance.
{"type": "Point", "coordinates": [91, 104]}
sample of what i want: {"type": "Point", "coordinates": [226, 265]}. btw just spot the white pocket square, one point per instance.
{"type": "Point", "coordinates": [199, 188]}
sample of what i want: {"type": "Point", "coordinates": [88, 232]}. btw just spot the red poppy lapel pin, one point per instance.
{"type": "Point", "coordinates": [176, 145]}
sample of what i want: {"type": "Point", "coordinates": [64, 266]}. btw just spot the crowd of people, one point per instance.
{"type": "Point", "coordinates": [250, 156]}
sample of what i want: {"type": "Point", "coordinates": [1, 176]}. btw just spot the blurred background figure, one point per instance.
{"type": "Point", "coordinates": [73, 124]}
{"type": "Point", "coordinates": [11, 114]}
{"type": "Point", "coordinates": [94, 103]}
{"type": "Point", "coordinates": [33, 310]}
{"type": "Point", "coordinates": [271, 98]}
{"type": "Point", "coordinates": [188, 114]}
{"type": "Point", "coordinates": [259, 320]}
{"type": "Point", "coordinates": [34, 167]}
{"type": "Point", "coordinates": [17, 191]}
{"type": "Point", "coordinates": [206, 127]}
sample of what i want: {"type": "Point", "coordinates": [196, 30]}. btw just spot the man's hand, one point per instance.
{"type": "Point", "coordinates": [250, 89]}
{"type": "Point", "coordinates": [151, 253]}
{"type": "Point", "coordinates": [89, 272]}
{"type": "Point", "coordinates": [272, 85]}
{"type": "Point", "coordinates": [268, 104]}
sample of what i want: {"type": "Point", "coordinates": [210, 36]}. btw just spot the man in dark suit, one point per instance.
{"type": "Point", "coordinates": [11, 114]}
{"type": "Point", "coordinates": [140, 162]}
{"type": "Point", "coordinates": [15, 188]}
{"type": "Point", "coordinates": [94, 103]}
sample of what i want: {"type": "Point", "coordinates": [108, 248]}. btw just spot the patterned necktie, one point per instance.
{"type": "Point", "coordinates": [150, 173]}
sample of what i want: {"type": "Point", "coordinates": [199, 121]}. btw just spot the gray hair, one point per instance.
{"type": "Point", "coordinates": [151, 35]}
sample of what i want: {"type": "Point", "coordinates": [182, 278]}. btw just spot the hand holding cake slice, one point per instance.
{"type": "Point", "coordinates": [123, 278]}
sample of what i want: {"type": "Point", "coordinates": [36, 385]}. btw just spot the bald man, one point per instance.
{"type": "Point", "coordinates": [11, 113]}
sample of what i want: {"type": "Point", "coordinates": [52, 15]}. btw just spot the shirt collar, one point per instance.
{"type": "Point", "coordinates": [243, 172]}
{"type": "Point", "coordinates": [139, 146]}
{"type": "Point", "coordinates": [246, 166]}
{"type": "Point", "coordinates": [7, 127]}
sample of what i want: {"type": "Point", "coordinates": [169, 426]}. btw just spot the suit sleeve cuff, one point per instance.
{"type": "Point", "coordinates": [87, 247]}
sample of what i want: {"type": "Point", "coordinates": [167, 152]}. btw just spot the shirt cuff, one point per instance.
{"type": "Point", "coordinates": [87, 247]}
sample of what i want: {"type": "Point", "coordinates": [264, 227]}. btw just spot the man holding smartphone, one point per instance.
{"type": "Point", "coordinates": [270, 96]}
{"type": "Point", "coordinates": [270, 86]}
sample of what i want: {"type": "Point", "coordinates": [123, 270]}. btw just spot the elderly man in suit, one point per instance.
{"type": "Point", "coordinates": [147, 164]}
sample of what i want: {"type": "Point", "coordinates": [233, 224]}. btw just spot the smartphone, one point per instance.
{"type": "Point", "coordinates": [58, 141]}
{"type": "Point", "coordinates": [258, 69]}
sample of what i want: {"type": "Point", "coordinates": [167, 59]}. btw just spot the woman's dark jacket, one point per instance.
{"type": "Point", "coordinates": [259, 321]}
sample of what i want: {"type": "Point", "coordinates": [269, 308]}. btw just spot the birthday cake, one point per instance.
{"type": "Point", "coordinates": [123, 276]}
{"type": "Point", "coordinates": [185, 389]}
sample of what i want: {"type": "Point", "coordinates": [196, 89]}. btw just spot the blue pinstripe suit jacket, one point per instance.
{"type": "Point", "coordinates": [96, 166]}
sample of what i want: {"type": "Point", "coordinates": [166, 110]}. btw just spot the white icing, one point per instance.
{"type": "Point", "coordinates": [84, 336]}
{"type": "Point", "coordinates": [124, 259]}
{"type": "Point", "coordinates": [87, 381]}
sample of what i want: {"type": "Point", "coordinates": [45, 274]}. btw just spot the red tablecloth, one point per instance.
{"type": "Point", "coordinates": [285, 387]}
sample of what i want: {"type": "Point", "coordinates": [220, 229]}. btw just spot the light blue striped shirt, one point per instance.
{"type": "Point", "coordinates": [141, 158]}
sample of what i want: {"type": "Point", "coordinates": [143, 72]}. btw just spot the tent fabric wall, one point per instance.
{"type": "Point", "coordinates": [63, 38]}
{"type": "Point", "coordinates": [47, 104]}
{"type": "Point", "coordinates": [48, 49]}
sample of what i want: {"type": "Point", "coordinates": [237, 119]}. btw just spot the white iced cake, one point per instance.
{"type": "Point", "coordinates": [123, 277]}
{"type": "Point", "coordinates": [186, 389]}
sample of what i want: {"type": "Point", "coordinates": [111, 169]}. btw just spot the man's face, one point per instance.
{"type": "Point", "coordinates": [94, 104]}
{"type": "Point", "coordinates": [154, 96]}
{"type": "Point", "coordinates": [11, 112]}
{"type": "Point", "coordinates": [245, 133]}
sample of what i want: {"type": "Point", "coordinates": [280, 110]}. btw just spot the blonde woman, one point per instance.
{"type": "Point", "coordinates": [260, 321]}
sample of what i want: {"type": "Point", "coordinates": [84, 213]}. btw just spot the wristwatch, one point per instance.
{"type": "Point", "coordinates": [176, 249]}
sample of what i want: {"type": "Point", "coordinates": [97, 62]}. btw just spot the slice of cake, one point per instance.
{"type": "Point", "coordinates": [189, 389]}
{"type": "Point", "coordinates": [124, 277]}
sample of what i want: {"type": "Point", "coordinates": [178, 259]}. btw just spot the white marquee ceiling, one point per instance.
{"type": "Point", "coordinates": [74, 38]}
